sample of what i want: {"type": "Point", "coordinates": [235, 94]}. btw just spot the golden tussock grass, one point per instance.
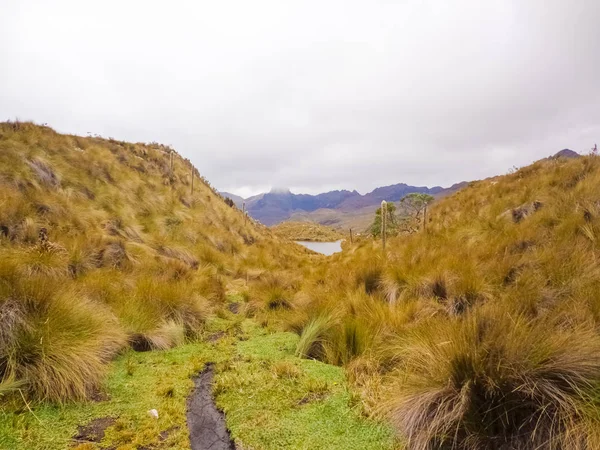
{"type": "Point", "coordinates": [103, 245]}
{"type": "Point", "coordinates": [482, 331]}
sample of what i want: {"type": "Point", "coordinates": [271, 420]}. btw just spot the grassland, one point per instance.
{"type": "Point", "coordinates": [479, 332]}
{"type": "Point", "coordinates": [359, 219]}
{"type": "Point", "coordinates": [106, 251]}
{"type": "Point", "coordinates": [306, 231]}
{"type": "Point", "coordinates": [482, 331]}
{"type": "Point", "coordinates": [105, 245]}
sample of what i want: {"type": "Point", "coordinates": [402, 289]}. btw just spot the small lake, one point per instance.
{"type": "Point", "coordinates": [325, 248]}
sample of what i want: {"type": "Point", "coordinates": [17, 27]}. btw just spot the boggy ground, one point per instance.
{"type": "Point", "coordinates": [271, 400]}
{"type": "Point", "coordinates": [208, 429]}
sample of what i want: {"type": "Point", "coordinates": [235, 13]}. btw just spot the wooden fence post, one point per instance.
{"type": "Point", "coordinates": [192, 166]}
{"type": "Point", "coordinates": [383, 222]}
{"type": "Point", "coordinates": [351, 240]}
{"type": "Point", "coordinates": [425, 218]}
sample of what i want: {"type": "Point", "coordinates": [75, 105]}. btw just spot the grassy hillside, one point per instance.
{"type": "Point", "coordinates": [103, 246]}
{"type": "Point", "coordinates": [483, 331]}
{"type": "Point", "coordinates": [359, 220]}
{"type": "Point", "coordinates": [306, 231]}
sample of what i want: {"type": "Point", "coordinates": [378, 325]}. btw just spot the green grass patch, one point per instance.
{"type": "Point", "coordinates": [137, 382]}
{"type": "Point", "coordinates": [273, 399]}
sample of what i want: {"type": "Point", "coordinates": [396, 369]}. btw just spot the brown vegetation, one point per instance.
{"type": "Point", "coordinates": [103, 245]}
{"type": "Point", "coordinates": [306, 231]}
{"type": "Point", "coordinates": [480, 332]}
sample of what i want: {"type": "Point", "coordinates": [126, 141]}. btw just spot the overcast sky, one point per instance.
{"type": "Point", "coordinates": [313, 95]}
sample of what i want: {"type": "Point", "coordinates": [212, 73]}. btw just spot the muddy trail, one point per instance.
{"type": "Point", "coordinates": [205, 422]}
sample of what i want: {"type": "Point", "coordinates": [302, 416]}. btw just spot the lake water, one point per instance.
{"type": "Point", "coordinates": [326, 248]}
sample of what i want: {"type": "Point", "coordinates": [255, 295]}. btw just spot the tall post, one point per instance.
{"type": "Point", "coordinates": [171, 154]}
{"type": "Point", "coordinates": [192, 166]}
{"type": "Point", "coordinates": [425, 218]}
{"type": "Point", "coordinates": [244, 211]}
{"type": "Point", "coordinates": [383, 222]}
{"type": "Point", "coordinates": [351, 240]}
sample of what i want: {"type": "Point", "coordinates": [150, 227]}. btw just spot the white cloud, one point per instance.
{"type": "Point", "coordinates": [313, 95]}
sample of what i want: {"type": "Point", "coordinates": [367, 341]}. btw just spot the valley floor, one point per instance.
{"type": "Point", "coordinates": [271, 399]}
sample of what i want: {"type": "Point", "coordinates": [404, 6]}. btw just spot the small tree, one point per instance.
{"type": "Point", "coordinates": [392, 221]}
{"type": "Point", "coordinates": [229, 202]}
{"type": "Point", "coordinates": [415, 204]}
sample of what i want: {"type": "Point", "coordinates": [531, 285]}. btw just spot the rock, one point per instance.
{"type": "Point", "coordinates": [153, 413]}
{"type": "Point", "coordinates": [522, 212]}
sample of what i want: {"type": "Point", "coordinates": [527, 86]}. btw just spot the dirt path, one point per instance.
{"type": "Point", "coordinates": [205, 422]}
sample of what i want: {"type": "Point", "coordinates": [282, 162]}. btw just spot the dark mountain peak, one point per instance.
{"type": "Point", "coordinates": [388, 188]}
{"type": "Point", "coordinates": [566, 153]}
{"type": "Point", "coordinates": [280, 204]}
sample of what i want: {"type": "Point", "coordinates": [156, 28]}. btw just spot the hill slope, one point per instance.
{"type": "Point", "coordinates": [483, 331]}
{"type": "Point", "coordinates": [103, 245]}
{"type": "Point", "coordinates": [306, 231]}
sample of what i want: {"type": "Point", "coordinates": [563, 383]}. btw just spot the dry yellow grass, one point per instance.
{"type": "Point", "coordinates": [103, 244]}
{"type": "Point", "coordinates": [495, 306]}
{"type": "Point", "coordinates": [480, 333]}
{"type": "Point", "coordinates": [306, 231]}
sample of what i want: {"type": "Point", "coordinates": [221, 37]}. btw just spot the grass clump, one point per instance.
{"type": "Point", "coordinates": [295, 403]}
{"type": "Point", "coordinates": [54, 342]}
{"type": "Point", "coordinates": [135, 383]}
{"type": "Point", "coordinates": [495, 381]}
{"type": "Point", "coordinates": [313, 340]}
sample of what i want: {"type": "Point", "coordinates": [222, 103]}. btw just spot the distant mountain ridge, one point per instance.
{"type": "Point", "coordinates": [341, 208]}
{"type": "Point", "coordinates": [274, 207]}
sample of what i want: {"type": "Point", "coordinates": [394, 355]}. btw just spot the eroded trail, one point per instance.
{"type": "Point", "coordinates": [205, 422]}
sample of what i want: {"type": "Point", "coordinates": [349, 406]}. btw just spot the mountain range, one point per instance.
{"type": "Point", "coordinates": [339, 208]}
